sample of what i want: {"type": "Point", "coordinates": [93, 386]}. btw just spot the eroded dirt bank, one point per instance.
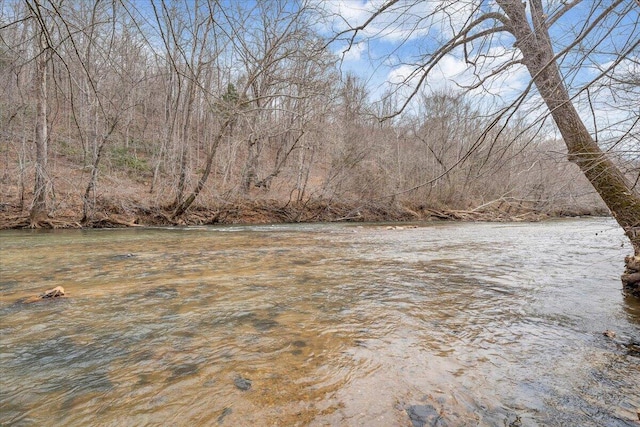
{"type": "Point", "coordinates": [123, 214]}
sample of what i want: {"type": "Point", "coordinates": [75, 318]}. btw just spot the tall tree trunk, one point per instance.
{"type": "Point", "coordinates": [249, 174]}
{"type": "Point", "coordinates": [538, 56]}
{"type": "Point", "coordinates": [39, 208]}
{"type": "Point", "coordinates": [184, 140]}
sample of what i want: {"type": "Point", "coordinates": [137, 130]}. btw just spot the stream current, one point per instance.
{"type": "Point", "coordinates": [445, 324]}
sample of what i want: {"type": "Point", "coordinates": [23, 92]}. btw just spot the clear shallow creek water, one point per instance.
{"type": "Point", "coordinates": [321, 325]}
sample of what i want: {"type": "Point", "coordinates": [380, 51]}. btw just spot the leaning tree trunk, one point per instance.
{"type": "Point", "coordinates": [88, 201]}
{"type": "Point", "coordinates": [616, 192]}
{"type": "Point", "coordinates": [185, 204]}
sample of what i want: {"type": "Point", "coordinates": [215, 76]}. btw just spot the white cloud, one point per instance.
{"type": "Point", "coordinates": [450, 69]}
{"type": "Point", "coordinates": [453, 73]}
{"type": "Point", "coordinates": [402, 38]}
{"type": "Point", "coordinates": [408, 31]}
{"type": "Point", "coordinates": [355, 51]}
{"type": "Point", "coordinates": [400, 22]}
{"type": "Point", "coordinates": [611, 105]}
{"type": "Point", "coordinates": [402, 75]}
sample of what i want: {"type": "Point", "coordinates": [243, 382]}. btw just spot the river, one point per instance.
{"type": "Point", "coordinates": [445, 324]}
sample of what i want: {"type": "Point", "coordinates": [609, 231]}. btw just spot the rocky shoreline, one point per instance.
{"type": "Point", "coordinates": [631, 276]}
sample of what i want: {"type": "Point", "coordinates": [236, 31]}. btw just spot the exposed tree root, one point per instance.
{"type": "Point", "coordinates": [111, 221]}
{"type": "Point", "coordinates": [18, 221]}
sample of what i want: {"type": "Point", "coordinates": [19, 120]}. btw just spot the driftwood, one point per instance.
{"type": "Point", "coordinates": [439, 214]}
{"type": "Point", "coordinates": [52, 223]}
{"type": "Point", "coordinates": [106, 221]}
{"type": "Point", "coordinates": [56, 292]}
{"type": "Point", "coordinates": [478, 214]}
{"type": "Point", "coordinates": [19, 221]}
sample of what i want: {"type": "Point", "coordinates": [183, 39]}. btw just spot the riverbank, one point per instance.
{"type": "Point", "coordinates": [110, 214]}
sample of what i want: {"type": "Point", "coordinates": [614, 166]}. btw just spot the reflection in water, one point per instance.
{"type": "Point", "coordinates": [450, 324]}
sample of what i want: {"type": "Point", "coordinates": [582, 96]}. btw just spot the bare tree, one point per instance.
{"type": "Point", "coordinates": [189, 50]}
{"type": "Point", "coordinates": [538, 56]}
{"type": "Point", "coordinates": [271, 41]}
{"type": "Point", "coordinates": [278, 54]}
{"type": "Point", "coordinates": [39, 210]}
{"type": "Point", "coordinates": [472, 30]}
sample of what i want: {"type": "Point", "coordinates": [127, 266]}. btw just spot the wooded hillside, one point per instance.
{"type": "Point", "coordinates": [193, 112]}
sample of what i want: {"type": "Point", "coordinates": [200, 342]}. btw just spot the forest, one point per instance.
{"type": "Point", "coordinates": [197, 112]}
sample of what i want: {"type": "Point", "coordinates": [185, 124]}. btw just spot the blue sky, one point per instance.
{"type": "Point", "coordinates": [387, 54]}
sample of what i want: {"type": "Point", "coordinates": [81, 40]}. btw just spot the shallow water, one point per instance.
{"type": "Point", "coordinates": [324, 324]}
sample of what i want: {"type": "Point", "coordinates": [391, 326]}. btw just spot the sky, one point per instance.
{"type": "Point", "coordinates": [389, 52]}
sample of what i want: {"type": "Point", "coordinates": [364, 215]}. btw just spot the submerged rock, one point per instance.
{"type": "Point", "coordinates": [631, 276]}
{"type": "Point", "coordinates": [401, 227]}
{"type": "Point", "coordinates": [226, 411]}
{"type": "Point", "coordinates": [633, 348]}
{"type": "Point", "coordinates": [424, 415]}
{"type": "Point", "coordinates": [184, 370]}
{"type": "Point", "coordinates": [243, 384]}
{"type": "Point", "coordinates": [264, 324]}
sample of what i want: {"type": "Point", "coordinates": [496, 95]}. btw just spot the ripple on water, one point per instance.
{"type": "Point", "coordinates": [457, 324]}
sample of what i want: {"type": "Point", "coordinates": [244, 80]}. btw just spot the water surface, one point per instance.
{"type": "Point", "coordinates": [339, 324]}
